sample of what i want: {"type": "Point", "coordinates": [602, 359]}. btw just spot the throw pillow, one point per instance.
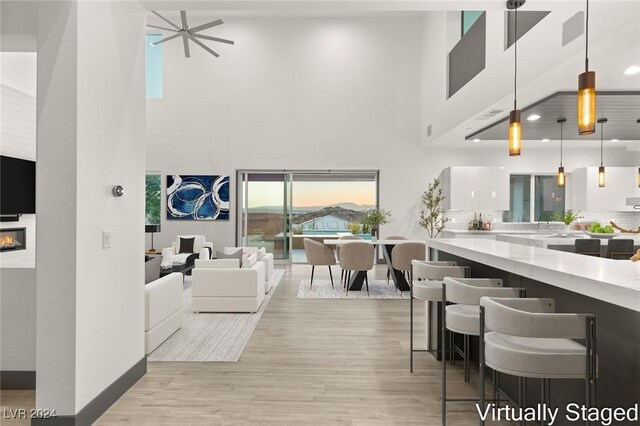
{"type": "Point", "coordinates": [186, 245]}
{"type": "Point", "coordinates": [261, 252]}
{"type": "Point", "coordinates": [236, 255]}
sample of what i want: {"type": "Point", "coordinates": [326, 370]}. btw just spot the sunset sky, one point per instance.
{"type": "Point", "coordinates": [312, 193]}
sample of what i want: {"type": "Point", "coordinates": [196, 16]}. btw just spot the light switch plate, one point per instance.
{"type": "Point", "coordinates": [106, 239]}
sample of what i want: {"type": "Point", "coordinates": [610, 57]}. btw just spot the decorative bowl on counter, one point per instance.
{"type": "Point", "coordinates": [602, 236]}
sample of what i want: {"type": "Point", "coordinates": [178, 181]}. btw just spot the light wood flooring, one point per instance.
{"type": "Point", "coordinates": [309, 361]}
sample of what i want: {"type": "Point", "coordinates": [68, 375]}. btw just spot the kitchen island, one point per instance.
{"type": "Point", "coordinates": [607, 288]}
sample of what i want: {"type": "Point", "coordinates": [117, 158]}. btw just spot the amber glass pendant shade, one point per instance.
{"type": "Point", "coordinates": [587, 103]}
{"type": "Point", "coordinates": [515, 133]}
{"type": "Point", "coordinates": [601, 180]}
{"type": "Point", "coordinates": [561, 177]}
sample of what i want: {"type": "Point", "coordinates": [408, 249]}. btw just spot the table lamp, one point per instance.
{"type": "Point", "coordinates": [152, 229]}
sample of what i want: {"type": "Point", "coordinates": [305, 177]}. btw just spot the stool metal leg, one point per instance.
{"type": "Point", "coordinates": [411, 324]}
{"type": "Point", "coordinates": [444, 358]}
{"type": "Point", "coordinates": [522, 396]}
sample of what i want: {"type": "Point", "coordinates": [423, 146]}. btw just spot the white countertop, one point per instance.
{"type": "Point", "coordinates": [613, 281]}
{"type": "Point", "coordinates": [462, 232]}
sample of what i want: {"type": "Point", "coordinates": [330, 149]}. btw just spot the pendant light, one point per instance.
{"type": "Point", "coordinates": [601, 180]}
{"type": "Point", "coordinates": [561, 176]}
{"type": "Point", "coordinates": [515, 122]}
{"type": "Point", "coordinates": [587, 90]}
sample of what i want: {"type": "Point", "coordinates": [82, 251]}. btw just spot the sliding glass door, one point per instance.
{"type": "Point", "coordinates": [281, 208]}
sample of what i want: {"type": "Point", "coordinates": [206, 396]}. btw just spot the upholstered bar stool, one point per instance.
{"type": "Point", "coordinates": [426, 284]}
{"type": "Point", "coordinates": [527, 339]}
{"type": "Point", "coordinates": [462, 316]}
{"type": "Point", "coordinates": [319, 254]}
{"type": "Point", "coordinates": [357, 257]}
{"type": "Point", "coordinates": [588, 246]}
{"type": "Point", "coordinates": [398, 238]}
{"type": "Point", "coordinates": [620, 248]}
{"type": "Point", "coordinates": [344, 237]}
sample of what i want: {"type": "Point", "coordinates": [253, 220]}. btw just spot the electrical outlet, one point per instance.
{"type": "Point", "coordinates": [106, 239]}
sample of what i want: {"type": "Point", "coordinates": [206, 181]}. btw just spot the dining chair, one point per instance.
{"type": "Point", "coordinates": [402, 254]}
{"type": "Point", "coordinates": [345, 237]}
{"type": "Point", "coordinates": [319, 254]}
{"type": "Point", "coordinates": [393, 237]}
{"type": "Point", "coordinates": [357, 257]}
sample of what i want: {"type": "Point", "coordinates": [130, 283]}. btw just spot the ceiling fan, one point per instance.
{"type": "Point", "coordinates": [187, 33]}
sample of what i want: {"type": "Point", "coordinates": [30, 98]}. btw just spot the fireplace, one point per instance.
{"type": "Point", "coordinates": [12, 239]}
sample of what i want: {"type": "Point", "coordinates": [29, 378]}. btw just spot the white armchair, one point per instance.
{"type": "Point", "coordinates": [221, 285]}
{"type": "Point", "coordinates": [163, 309]}
{"type": "Point", "coordinates": [200, 246]}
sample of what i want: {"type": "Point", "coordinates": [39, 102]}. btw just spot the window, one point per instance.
{"type": "Point", "coordinates": [154, 67]}
{"type": "Point", "coordinates": [152, 199]}
{"type": "Point", "coordinates": [469, 17]}
{"type": "Point", "coordinates": [548, 200]}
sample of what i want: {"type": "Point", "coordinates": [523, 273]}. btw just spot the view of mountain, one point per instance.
{"type": "Point", "coordinates": [309, 209]}
{"type": "Point", "coordinates": [336, 211]}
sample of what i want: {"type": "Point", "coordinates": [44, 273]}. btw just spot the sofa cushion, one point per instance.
{"type": "Point", "coordinates": [198, 242]}
{"type": "Point", "coordinates": [236, 255]}
{"type": "Point", "coordinates": [180, 259]}
{"type": "Point", "coordinates": [248, 260]}
{"type": "Point", "coordinates": [152, 269]}
{"type": "Point", "coordinates": [186, 245]}
{"type": "Point", "coordinates": [261, 252]}
{"type": "Point", "coordinates": [218, 263]}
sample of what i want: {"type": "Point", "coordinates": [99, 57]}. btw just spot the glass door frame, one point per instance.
{"type": "Point", "coordinates": [241, 221]}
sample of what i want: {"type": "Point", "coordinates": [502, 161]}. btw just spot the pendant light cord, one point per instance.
{"type": "Point", "coordinates": [515, 61]}
{"type": "Point", "coordinates": [561, 138]}
{"type": "Point", "coordinates": [601, 143]}
{"type": "Point", "coordinates": [586, 50]}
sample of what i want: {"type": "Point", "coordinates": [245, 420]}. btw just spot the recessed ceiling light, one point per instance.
{"type": "Point", "coordinates": [615, 140]}
{"type": "Point", "coordinates": [545, 140]}
{"type": "Point", "coordinates": [633, 70]}
{"type": "Point", "coordinates": [533, 117]}
{"type": "Point", "coordinates": [476, 140]}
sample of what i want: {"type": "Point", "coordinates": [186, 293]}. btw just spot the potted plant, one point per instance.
{"type": "Point", "coordinates": [372, 219]}
{"type": "Point", "coordinates": [432, 216]}
{"type": "Point", "coordinates": [568, 218]}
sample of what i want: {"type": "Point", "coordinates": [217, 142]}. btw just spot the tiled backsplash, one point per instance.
{"type": "Point", "coordinates": [459, 220]}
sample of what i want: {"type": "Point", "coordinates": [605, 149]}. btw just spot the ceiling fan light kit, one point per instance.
{"type": "Point", "coordinates": [189, 34]}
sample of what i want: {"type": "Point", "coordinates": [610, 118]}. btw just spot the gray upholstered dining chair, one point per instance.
{"type": "Point", "coordinates": [461, 314]}
{"type": "Point", "coordinates": [426, 284]}
{"type": "Point", "coordinates": [402, 254]}
{"type": "Point", "coordinates": [527, 339]}
{"type": "Point", "coordinates": [620, 248]}
{"type": "Point", "coordinates": [393, 237]}
{"type": "Point", "coordinates": [319, 254]}
{"type": "Point", "coordinates": [357, 257]}
{"type": "Point", "coordinates": [344, 237]}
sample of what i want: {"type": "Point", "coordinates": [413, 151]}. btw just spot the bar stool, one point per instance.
{"type": "Point", "coordinates": [588, 246]}
{"type": "Point", "coordinates": [393, 237]}
{"type": "Point", "coordinates": [462, 316]}
{"type": "Point", "coordinates": [528, 339]}
{"type": "Point", "coordinates": [344, 237]}
{"type": "Point", "coordinates": [430, 290]}
{"type": "Point", "coordinates": [620, 248]}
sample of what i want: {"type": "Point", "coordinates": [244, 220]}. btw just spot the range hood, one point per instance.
{"type": "Point", "coordinates": [634, 201]}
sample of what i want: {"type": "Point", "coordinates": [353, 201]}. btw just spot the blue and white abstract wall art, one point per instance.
{"type": "Point", "coordinates": [197, 197]}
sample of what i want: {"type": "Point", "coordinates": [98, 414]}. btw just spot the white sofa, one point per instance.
{"type": "Point", "coordinates": [221, 285]}
{"type": "Point", "coordinates": [200, 246]}
{"type": "Point", "coordinates": [262, 256]}
{"type": "Point", "coordinates": [163, 309]}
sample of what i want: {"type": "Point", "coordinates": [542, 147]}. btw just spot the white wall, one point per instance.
{"type": "Point", "coordinates": [18, 319]}
{"type": "Point", "coordinates": [303, 93]}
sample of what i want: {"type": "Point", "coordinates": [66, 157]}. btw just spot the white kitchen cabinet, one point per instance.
{"type": "Point", "coordinates": [475, 188]}
{"type": "Point", "coordinates": [620, 183]}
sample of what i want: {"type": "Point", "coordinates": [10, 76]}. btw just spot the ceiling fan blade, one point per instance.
{"type": "Point", "coordinates": [166, 39]}
{"type": "Point", "coordinates": [183, 19]}
{"type": "Point", "coordinates": [165, 20]}
{"type": "Point", "coordinates": [185, 42]}
{"type": "Point", "coordinates": [201, 44]}
{"type": "Point", "coordinates": [162, 28]}
{"type": "Point", "coordinates": [207, 25]}
{"type": "Point", "coordinates": [220, 40]}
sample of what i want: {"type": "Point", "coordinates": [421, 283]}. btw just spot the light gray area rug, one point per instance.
{"type": "Point", "coordinates": [378, 289]}
{"type": "Point", "coordinates": [210, 336]}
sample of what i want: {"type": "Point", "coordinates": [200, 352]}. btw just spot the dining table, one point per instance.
{"type": "Point", "coordinates": [387, 245]}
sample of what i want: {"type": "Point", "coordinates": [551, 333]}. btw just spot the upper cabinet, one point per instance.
{"type": "Point", "coordinates": [475, 188]}
{"type": "Point", "coordinates": [620, 183]}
